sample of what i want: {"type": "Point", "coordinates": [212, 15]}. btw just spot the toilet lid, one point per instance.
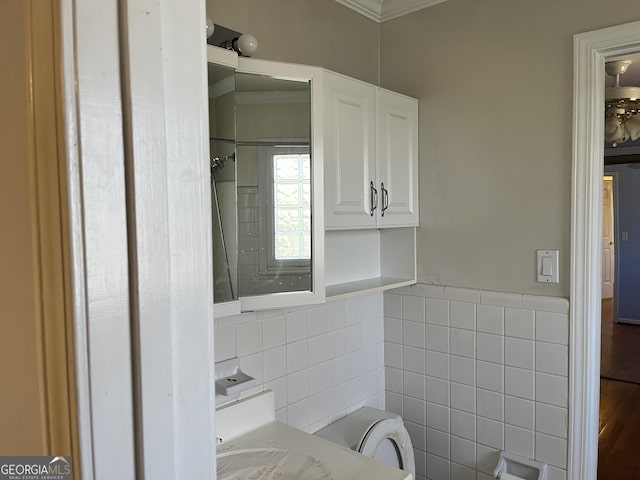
{"type": "Point", "coordinates": [394, 430]}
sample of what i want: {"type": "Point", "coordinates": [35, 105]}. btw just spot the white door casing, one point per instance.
{"type": "Point", "coordinates": [590, 51]}
{"type": "Point", "coordinates": [94, 146]}
{"type": "Point", "coordinates": [608, 245]}
{"type": "Point", "coordinates": [134, 101]}
{"type": "Point", "coordinates": [166, 105]}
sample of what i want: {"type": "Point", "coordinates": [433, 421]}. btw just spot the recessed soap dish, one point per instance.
{"type": "Point", "coordinates": [233, 384]}
{"type": "Point", "coordinates": [230, 380]}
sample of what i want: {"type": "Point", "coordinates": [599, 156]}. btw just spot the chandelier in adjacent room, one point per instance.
{"type": "Point", "coordinates": [622, 105]}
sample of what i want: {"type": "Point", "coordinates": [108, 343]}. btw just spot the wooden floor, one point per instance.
{"type": "Point", "coordinates": [620, 347]}
{"type": "Point", "coordinates": [619, 439]}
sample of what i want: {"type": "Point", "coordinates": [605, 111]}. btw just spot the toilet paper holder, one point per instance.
{"type": "Point", "coordinates": [514, 467]}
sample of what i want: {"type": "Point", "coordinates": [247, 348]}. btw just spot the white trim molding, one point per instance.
{"type": "Point", "coordinates": [383, 10]}
{"type": "Point", "coordinates": [135, 116]}
{"type": "Point", "coordinates": [371, 9]}
{"type": "Point", "coordinates": [590, 52]}
{"type": "Point", "coordinates": [94, 144]}
{"type": "Point", "coordinates": [169, 229]}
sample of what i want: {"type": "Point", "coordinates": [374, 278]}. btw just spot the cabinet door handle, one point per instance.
{"type": "Point", "coordinates": [373, 198]}
{"type": "Point", "coordinates": [385, 198]}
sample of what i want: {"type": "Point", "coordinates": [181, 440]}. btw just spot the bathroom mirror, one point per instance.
{"type": "Point", "coordinates": [222, 147]}
{"type": "Point", "coordinates": [273, 131]}
{"type": "Point", "coordinates": [266, 190]}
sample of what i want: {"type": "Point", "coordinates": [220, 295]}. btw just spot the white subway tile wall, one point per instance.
{"type": "Point", "coordinates": [490, 374]}
{"type": "Point", "coordinates": [322, 361]}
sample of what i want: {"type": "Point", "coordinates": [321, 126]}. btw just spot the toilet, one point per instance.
{"type": "Point", "coordinates": [376, 434]}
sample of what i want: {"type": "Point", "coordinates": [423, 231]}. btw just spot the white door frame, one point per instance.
{"type": "Point", "coordinates": [136, 137]}
{"type": "Point", "coordinates": [91, 104]}
{"type": "Point", "coordinates": [590, 51]}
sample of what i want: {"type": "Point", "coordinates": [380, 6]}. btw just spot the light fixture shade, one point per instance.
{"type": "Point", "coordinates": [622, 94]}
{"type": "Point", "coordinates": [247, 44]}
{"type": "Point", "coordinates": [616, 135]}
{"type": "Point", "coordinates": [611, 124]}
{"type": "Point", "coordinates": [622, 106]}
{"type": "Point", "coordinates": [210, 27]}
{"type": "Point", "coordinates": [633, 127]}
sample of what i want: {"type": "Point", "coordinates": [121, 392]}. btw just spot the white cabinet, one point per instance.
{"type": "Point", "coordinates": [397, 154]}
{"type": "Point", "coordinates": [371, 187]}
{"type": "Point", "coordinates": [371, 156]}
{"type": "Point", "coordinates": [349, 152]}
{"type": "Point", "coordinates": [363, 148]}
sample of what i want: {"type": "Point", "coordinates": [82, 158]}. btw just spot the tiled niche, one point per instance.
{"type": "Point", "coordinates": [476, 372]}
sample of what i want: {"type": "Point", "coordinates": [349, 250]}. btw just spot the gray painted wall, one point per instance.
{"type": "Point", "coordinates": [494, 79]}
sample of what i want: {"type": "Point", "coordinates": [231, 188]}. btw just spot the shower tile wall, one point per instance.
{"type": "Point", "coordinates": [321, 361]}
{"type": "Point", "coordinates": [475, 372]}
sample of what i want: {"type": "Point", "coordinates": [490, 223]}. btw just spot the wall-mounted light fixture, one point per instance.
{"type": "Point", "coordinates": [211, 27]}
{"type": "Point", "coordinates": [244, 44]}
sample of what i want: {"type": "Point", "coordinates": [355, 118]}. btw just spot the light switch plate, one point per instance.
{"type": "Point", "coordinates": [547, 266]}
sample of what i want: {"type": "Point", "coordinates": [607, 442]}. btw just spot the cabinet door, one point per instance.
{"type": "Point", "coordinates": [349, 155]}
{"type": "Point", "coordinates": [397, 148]}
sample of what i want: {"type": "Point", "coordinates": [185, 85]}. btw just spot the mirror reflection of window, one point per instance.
{"type": "Point", "coordinates": [273, 184]}
{"type": "Point", "coordinates": [284, 213]}
{"type": "Point", "coordinates": [292, 206]}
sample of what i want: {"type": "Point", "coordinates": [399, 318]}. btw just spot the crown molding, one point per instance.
{"type": "Point", "coordinates": [396, 8]}
{"type": "Point", "coordinates": [371, 9]}
{"type": "Point", "coordinates": [383, 10]}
